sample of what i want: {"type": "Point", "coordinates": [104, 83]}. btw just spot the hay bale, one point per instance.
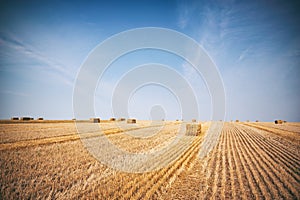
{"type": "Point", "coordinates": [278, 121]}
{"type": "Point", "coordinates": [14, 118]}
{"type": "Point", "coordinates": [194, 120]}
{"type": "Point", "coordinates": [40, 118]}
{"type": "Point", "coordinates": [237, 120]}
{"type": "Point", "coordinates": [112, 119]}
{"type": "Point", "coordinates": [131, 121]}
{"type": "Point", "coordinates": [121, 119]}
{"type": "Point", "coordinates": [193, 129]}
{"type": "Point", "coordinates": [247, 121]}
{"type": "Point", "coordinates": [177, 120]}
{"type": "Point", "coordinates": [256, 121]}
{"type": "Point", "coordinates": [26, 118]}
{"type": "Point", "coordinates": [95, 120]}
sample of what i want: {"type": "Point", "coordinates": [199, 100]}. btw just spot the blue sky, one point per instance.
{"type": "Point", "coordinates": [254, 44]}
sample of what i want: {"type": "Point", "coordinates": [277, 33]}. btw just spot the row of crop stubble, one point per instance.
{"type": "Point", "coordinates": [247, 162]}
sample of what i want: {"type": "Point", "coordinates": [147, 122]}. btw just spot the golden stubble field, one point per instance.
{"type": "Point", "coordinates": [258, 160]}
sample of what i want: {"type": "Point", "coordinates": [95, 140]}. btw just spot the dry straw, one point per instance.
{"type": "Point", "coordinates": [26, 118]}
{"type": "Point", "coordinates": [95, 120]}
{"type": "Point", "coordinates": [193, 129]}
{"type": "Point", "coordinates": [131, 121]}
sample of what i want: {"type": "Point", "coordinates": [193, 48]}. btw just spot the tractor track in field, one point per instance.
{"type": "Point", "coordinates": [245, 164]}
{"type": "Point", "coordinates": [292, 136]}
{"type": "Point", "coordinates": [67, 138]}
{"type": "Point", "coordinates": [273, 180]}
{"type": "Point", "coordinates": [246, 161]}
{"type": "Point", "coordinates": [151, 185]}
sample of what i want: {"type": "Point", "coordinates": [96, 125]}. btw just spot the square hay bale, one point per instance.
{"type": "Point", "coordinates": [14, 118]}
{"type": "Point", "coordinates": [121, 119]}
{"type": "Point", "coordinates": [95, 120]}
{"type": "Point", "coordinates": [112, 119]}
{"type": "Point", "coordinates": [131, 121]}
{"type": "Point", "coordinates": [194, 120]}
{"type": "Point", "coordinates": [193, 129]}
{"type": "Point", "coordinates": [278, 121]}
{"type": "Point", "coordinates": [26, 118]}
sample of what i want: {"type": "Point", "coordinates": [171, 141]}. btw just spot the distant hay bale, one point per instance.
{"type": "Point", "coordinates": [95, 120]}
{"type": "Point", "coordinates": [121, 119]}
{"type": "Point", "coordinates": [247, 121]}
{"type": "Point", "coordinates": [237, 120]}
{"type": "Point", "coordinates": [74, 119]}
{"type": "Point", "coordinates": [112, 119]}
{"type": "Point", "coordinates": [278, 121]}
{"type": "Point", "coordinates": [26, 118]}
{"type": "Point", "coordinates": [131, 121]}
{"type": "Point", "coordinates": [40, 118]}
{"type": "Point", "coordinates": [193, 129]}
{"type": "Point", "coordinates": [14, 118]}
{"type": "Point", "coordinates": [194, 120]}
{"type": "Point", "coordinates": [256, 121]}
{"type": "Point", "coordinates": [177, 120]}
{"type": "Point", "coordinates": [284, 121]}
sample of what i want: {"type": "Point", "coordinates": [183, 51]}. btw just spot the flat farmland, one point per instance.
{"type": "Point", "coordinates": [247, 161]}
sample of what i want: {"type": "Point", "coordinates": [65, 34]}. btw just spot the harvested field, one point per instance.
{"type": "Point", "coordinates": [247, 160]}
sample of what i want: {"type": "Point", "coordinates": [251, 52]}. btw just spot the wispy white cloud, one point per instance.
{"type": "Point", "coordinates": [244, 54]}
{"type": "Point", "coordinates": [11, 41]}
{"type": "Point", "coordinates": [9, 92]}
{"type": "Point", "coordinates": [183, 18]}
{"type": "Point", "coordinates": [185, 12]}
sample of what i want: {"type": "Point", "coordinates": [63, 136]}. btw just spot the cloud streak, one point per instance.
{"type": "Point", "coordinates": [12, 42]}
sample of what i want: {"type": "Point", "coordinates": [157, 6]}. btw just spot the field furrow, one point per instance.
{"type": "Point", "coordinates": [151, 183]}
{"type": "Point", "coordinates": [251, 188]}
{"type": "Point", "coordinates": [282, 155]}
{"type": "Point", "coordinates": [279, 178]}
{"type": "Point", "coordinates": [226, 176]}
{"type": "Point", "coordinates": [243, 161]}
{"type": "Point", "coordinates": [268, 179]}
{"type": "Point", "coordinates": [210, 171]}
{"type": "Point", "coordinates": [216, 179]}
{"type": "Point", "coordinates": [66, 138]}
{"type": "Point", "coordinates": [235, 181]}
{"type": "Point", "coordinates": [291, 136]}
